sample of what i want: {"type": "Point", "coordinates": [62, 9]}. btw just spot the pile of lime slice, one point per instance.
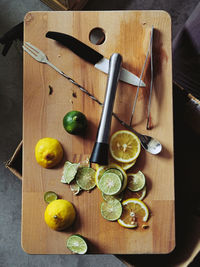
{"type": "Point", "coordinates": [78, 177]}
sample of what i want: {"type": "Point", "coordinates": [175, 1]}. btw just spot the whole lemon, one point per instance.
{"type": "Point", "coordinates": [48, 152]}
{"type": "Point", "coordinates": [59, 214]}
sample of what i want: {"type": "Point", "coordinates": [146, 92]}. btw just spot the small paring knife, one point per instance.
{"type": "Point", "coordinates": [90, 55]}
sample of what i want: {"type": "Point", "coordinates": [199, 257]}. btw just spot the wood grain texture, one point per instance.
{"type": "Point", "coordinates": [128, 33]}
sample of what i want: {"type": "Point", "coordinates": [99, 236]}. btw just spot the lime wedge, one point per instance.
{"type": "Point", "coordinates": [85, 178]}
{"type": "Point", "coordinates": [116, 171]}
{"type": "Point", "coordinates": [50, 196]}
{"type": "Point", "coordinates": [75, 188]}
{"type": "Point", "coordinates": [111, 210]}
{"type": "Point", "coordinates": [136, 181]}
{"type": "Point", "coordinates": [110, 184]}
{"type": "Point", "coordinates": [69, 172]}
{"type": "Point", "coordinates": [77, 244]}
{"type": "Point", "coordinates": [108, 198]}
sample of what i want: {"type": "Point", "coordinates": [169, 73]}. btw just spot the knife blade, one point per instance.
{"type": "Point", "coordinates": [92, 56]}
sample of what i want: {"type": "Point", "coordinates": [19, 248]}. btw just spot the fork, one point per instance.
{"type": "Point", "coordinates": [150, 144]}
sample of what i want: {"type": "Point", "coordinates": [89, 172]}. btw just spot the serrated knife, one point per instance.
{"type": "Point", "coordinates": [90, 55]}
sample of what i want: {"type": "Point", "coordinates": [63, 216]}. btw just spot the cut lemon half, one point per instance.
{"type": "Point", "coordinates": [110, 184]}
{"type": "Point", "coordinates": [77, 244]}
{"type": "Point", "coordinates": [124, 146]}
{"type": "Point", "coordinates": [134, 212]}
{"type": "Point", "coordinates": [111, 210]}
{"type": "Point", "coordinates": [136, 181]}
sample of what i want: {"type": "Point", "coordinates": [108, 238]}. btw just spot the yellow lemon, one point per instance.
{"type": "Point", "coordinates": [48, 152]}
{"type": "Point", "coordinates": [59, 214]}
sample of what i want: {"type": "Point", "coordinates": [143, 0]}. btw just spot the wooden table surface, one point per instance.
{"type": "Point", "coordinates": [128, 33]}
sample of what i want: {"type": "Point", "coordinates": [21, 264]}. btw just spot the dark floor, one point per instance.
{"type": "Point", "coordinates": [11, 13]}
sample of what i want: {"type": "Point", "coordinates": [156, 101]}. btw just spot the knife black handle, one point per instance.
{"type": "Point", "coordinates": [101, 148]}
{"type": "Point", "coordinates": [82, 50]}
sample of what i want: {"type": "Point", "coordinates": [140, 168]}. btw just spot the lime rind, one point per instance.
{"type": "Point", "coordinates": [75, 188]}
{"type": "Point", "coordinates": [110, 184]}
{"type": "Point", "coordinates": [50, 196]}
{"type": "Point", "coordinates": [136, 181]}
{"type": "Point", "coordinates": [77, 244]}
{"type": "Point", "coordinates": [111, 210]}
{"type": "Point", "coordinates": [69, 172]}
{"type": "Point", "coordinates": [85, 178]}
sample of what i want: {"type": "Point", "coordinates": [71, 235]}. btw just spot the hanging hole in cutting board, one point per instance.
{"type": "Point", "coordinates": [97, 36]}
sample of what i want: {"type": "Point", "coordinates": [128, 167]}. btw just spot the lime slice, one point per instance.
{"type": "Point", "coordinates": [85, 178]}
{"type": "Point", "coordinates": [77, 244]}
{"type": "Point", "coordinates": [108, 198]}
{"type": "Point", "coordinates": [75, 188]}
{"type": "Point", "coordinates": [116, 171]}
{"type": "Point", "coordinates": [111, 210]}
{"type": "Point", "coordinates": [50, 196]}
{"type": "Point", "coordinates": [100, 171]}
{"type": "Point", "coordinates": [69, 172]}
{"type": "Point", "coordinates": [136, 181]}
{"type": "Point", "coordinates": [140, 194]}
{"type": "Point", "coordinates": [110, 184]}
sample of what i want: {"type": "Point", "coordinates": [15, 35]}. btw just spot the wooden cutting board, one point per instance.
{"type": "Point", "coordinates": [128, 33]}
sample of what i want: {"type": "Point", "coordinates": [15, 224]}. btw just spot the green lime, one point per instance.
{"type": "Point", "coordinates": [50, 196]}
{"type": "Point", "coordinates": [108, 198]}
{"type": "Point", "coordinates": [116, 171]}
{"type": "Point", "coordinates": [110, 184]}
{"type": "Point", "coordinates": [75, 188]}
{"type": "Point", "coordinates": [69, 172]}
{"type": "Point", "coordinates": [77, 244]}
{"type": "Point", "coordinates": [85, 178]}
{"type": "Point", "coordinates": [75, 122]}
{"type": "Point", "coordinates": [136, 181]}
{"type": "Point", "coordinates": [111, 210]}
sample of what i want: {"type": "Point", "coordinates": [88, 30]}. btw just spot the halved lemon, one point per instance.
{"type": "Point", "coordinates": [134, 212]}
{"type": "Point", "coordinates": [124, 146]}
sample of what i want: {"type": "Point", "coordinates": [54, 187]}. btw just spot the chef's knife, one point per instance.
{"type": "Point", "coordinates": [92, 56]}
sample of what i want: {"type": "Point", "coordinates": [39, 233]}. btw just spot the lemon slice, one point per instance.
{"type": "Point", "coordinates": [124, 146]}
{"type": "Point", "coordinates": [140, 194]}
{"type": "Point", "coordinates": [134, 212]}
{"type": "Point", "coordinates": [77, 244]}
{"type": "Point", "coordinates": [50, 196]}
{"type": "Point", "coordinates": [111, 210]}
{"type": "Point", "coordinates": [124, 165]}
{"type": "Point", "coordinates": [69, 172]}
{"type": "Point", "coordinates": [85, 178]}
{"type": "Point", "coordinates": [110, 184]}
{"type": "Point", "coordinates": [136, 181]}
